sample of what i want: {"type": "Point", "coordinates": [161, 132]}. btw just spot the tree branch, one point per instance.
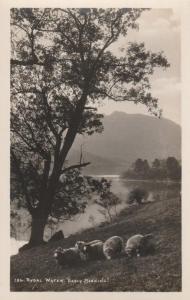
{"type": "Point", "coordinates": [72, 130]}
{"type": "Point", "coordinates": [26, 91]}
{"type": "Point", "coordinates": [36, 148]}
{"type": "Point", "coordinates": [118, 98]}
{"type": "Point", "coordinates": [109, 41]}
{"type": "Point", "coordinates": [78, 166]}
{"type": "Point", "coordinates": [47, 166]}
{"type": "Point", "coordinates": [90, 107]}
{"type": "Point", "coordinates": [29, 62]}
{"type": "Point", "coordinates": [49, 118]}
{"type": "Point", "coordinates": [22, 28]}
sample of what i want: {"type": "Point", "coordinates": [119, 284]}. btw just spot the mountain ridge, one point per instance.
{"type": "Point", "coordinates": [125, 138]}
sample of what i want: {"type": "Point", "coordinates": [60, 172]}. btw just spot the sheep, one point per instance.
{"type": "Point", "coordinates": [90, 250]}
{"type": "Point", "coordinates": [112, 247]}
{"type": "Point", "coordinates": [67, 256]}
{"type": "Point", "coordinates": [94, 250]}
{"type": "Point", "coordinates": [138, 245]}
{"type": "Point", "coordinates": [80, 244]}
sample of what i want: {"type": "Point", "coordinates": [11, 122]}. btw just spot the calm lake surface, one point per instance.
{"type": "Point", "coordinates": [158, 190]}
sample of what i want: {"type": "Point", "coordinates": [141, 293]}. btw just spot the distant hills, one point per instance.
{"type": "Point", "coordinates": [125, 138]}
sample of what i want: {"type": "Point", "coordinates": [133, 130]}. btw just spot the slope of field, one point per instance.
{"type": "Point", "coordinates": [36, 270]}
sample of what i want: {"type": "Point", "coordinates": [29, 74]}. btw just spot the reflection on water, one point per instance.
{"type": "Point", "coordinates": [15, 245]}
{"type": "Point", "coordinates": [158, 190]}
{"type": "Point", "coordinates": [121, 187]}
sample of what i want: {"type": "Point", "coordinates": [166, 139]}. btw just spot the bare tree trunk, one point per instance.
{"type": "Point", "coordinates": [39, 221]}
{"type": "Point", "coordinates": [115, 208]}
{"type": "Point", "coordinates": [109, 214]}
{"type": "Point", "coordinates": [37, 230]}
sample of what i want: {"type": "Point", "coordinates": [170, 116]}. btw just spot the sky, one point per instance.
{"type": "Point", "coordinates": [160, 30]}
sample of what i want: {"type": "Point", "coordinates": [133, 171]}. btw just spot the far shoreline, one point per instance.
{"type": "Point", "coordinates": [132, 179]}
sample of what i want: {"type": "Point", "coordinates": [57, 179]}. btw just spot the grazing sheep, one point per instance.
{"type": "Point", "coordinates": [90, 250]}
{"type": "Point", "coordinates": [138, 245]}
{"type": "Point", "coordinates": [80, 244]}
{"type": "Point", "coordinates": [112, 247]}
{"type": "Point", "coordinates": [94, 250]}
{"type": "Point", "coordinates": [68, 256]}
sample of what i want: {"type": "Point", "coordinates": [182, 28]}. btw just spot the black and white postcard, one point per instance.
{"type": "Point", "coordinates": [95, 167]}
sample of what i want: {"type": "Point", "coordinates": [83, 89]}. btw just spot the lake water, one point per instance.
{"type": "Point", "coordinates": [157, 190]}
{"type": "Point", "coordinates": [15, 245]}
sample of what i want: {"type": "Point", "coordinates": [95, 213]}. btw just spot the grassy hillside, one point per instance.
{"type": "Point", "coordinates": [158, 272]}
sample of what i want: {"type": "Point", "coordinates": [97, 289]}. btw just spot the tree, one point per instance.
{"type": "Point", "coordinates": [139, 166]}
{"type": "Point", "coordinates": [61, 67]}
{"type": "Point", "coordinates": [107, 201]}
{"type": "Point", "coordinates": [71, 197]}
{"type": "Point", "coordinates": [156, 163]}
{"type": "Point", "coordinates": [137, 195]}
{"type": "Point", "coordinates": [140, 169]}
{"type": "Point", "coordinates": [146, 167]}
{"type": "Point", "coordinates": [160, 169]}
{"type": "Point", "coordinates": [173, 168]}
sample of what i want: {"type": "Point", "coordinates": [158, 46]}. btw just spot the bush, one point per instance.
{"type": "Point", "coordinates": [137, 195]}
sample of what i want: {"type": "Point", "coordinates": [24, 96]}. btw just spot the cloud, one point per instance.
{"type": "Point", "coordinates": [160, 30]}
{"type": "Point", "coordinates": [168, 91]}
{"type": "Point", "coordinates": [160, 20]}
{"type": "Point", "coordinates": [165, 85]}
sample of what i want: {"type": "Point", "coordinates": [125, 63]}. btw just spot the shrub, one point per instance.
{"type": "Point", "coordinates": [137, 195]}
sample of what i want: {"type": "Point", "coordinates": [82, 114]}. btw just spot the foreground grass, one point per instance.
{"type": "Point", "coordinates": [35, 269]}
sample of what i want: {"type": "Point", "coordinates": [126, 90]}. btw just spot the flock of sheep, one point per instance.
{"type": "Point", "coordinates": [113, 247]}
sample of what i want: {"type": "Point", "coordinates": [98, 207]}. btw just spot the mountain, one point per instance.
{"type": "Point", "coordinates": [125, 138]}
{"type": "Point", "coordinates": [98, 164]}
